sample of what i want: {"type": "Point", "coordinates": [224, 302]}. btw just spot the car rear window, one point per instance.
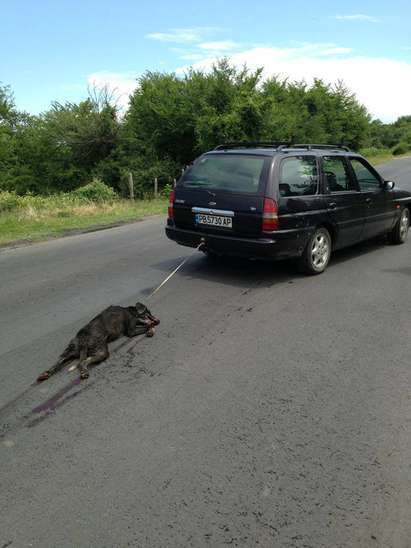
{"type": "Point", "coordinates": [227, 172]}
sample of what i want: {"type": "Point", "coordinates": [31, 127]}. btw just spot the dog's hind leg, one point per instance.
{"type": "Point", "coordinates": [98, 356]}
{"type": "Point", "coordinates": [69, 354]}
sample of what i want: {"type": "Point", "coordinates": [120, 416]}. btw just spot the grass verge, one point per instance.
{"type": "Point", "coordinates": [33, 223]}
{"type": "Point", "coordinates": [385, 157]}
{"type": "Point", "coordinates": [33, 218]}
{"type": "Point", "coordinates": [381, 158]}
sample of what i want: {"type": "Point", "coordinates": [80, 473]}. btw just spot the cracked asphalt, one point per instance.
{"type": "Point", "coordinates": [270, 409]}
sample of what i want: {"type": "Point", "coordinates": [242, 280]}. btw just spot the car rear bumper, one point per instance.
{"type": "Point", "coordinates": [280, 245]}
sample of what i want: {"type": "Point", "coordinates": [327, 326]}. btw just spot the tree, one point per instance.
{"type": "Point", "coordinates": [7, 121]}
{"type": "Point", "coordinates": [170, 120]}
{"type": "Point", "coordinates": [60, 149]}
{"type": "Point", "coordinates": [320, 113]}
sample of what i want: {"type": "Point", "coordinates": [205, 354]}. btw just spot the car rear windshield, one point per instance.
{"type": "Point", "coordinates": [227, 172]}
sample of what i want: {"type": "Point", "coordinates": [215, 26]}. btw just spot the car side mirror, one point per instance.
{"type": "Point", "coordinates": [389, 185]}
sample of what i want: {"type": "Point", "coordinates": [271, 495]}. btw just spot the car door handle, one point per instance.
{"type": "Point", "coordinates": [332, 205]}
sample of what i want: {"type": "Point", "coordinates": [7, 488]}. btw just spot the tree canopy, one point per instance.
{"type": "Point", "coordinates": [170, 120]}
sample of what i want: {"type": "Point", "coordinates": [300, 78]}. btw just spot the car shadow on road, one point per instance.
{"type": "Point", "coordinates": [406, 270]}
{"type": "Point", "coordinates": [244, 273]}
{"type": "Point", "coordinates": [233, 271]}
{"type": "Point", "coordinates": [358, 250]}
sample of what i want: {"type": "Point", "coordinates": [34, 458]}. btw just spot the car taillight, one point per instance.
{"type": "Point", "coordinates": [270, 215]}
{"type": "Point", "coordinates": [171, 205]}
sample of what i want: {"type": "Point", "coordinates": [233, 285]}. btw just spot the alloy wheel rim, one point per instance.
{"type": "Point", "coordinates": [404, 224]}
{"type": "Point", "coordinates": [320, 251]}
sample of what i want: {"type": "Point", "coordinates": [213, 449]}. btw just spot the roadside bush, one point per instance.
{"type": "Point", "coordinates": [96, 191]}
{"type": "Point", "coordinates": [167, 189]}
{"type": "Point", "coordinates": [9, 201]}
{"type": "Point", "coordinates": [374, 151]}
{"type": "Point", "coordinates": [401, 148]}
{"type": "Point", "coordinates": [144, 170]}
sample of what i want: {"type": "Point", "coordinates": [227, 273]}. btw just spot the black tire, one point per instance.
{"type": "Point", "coordinates": [399, 233]}
{"type": "Point", "coordinates": [314, 262]}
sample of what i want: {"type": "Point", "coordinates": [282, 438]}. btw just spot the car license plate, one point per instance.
{"type": "Point", "coordinates": [214, 220]}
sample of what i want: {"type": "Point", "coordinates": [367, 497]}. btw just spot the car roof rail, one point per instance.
{"type": "Point", "coordinates": [253, 144]}
{"type": "Point", "coordinates": [312, 146]}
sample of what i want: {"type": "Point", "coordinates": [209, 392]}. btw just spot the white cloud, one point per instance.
{"type": "Point", "coordinates": [176, 35]}
{"type": "Point", "coordinates": [357, 17]}
{"type": "Point", "coordinates": [381, 84]}
{"type": "Point", "coordinates": [189, 54]}
{"type": "Point", "coordinates": [225, 45]}
{"type": "Point", "coordinates": [183, 35]}
{"type": "Point", "coordinates": [335, 51]}
{"type": "Point", "coordinates": [192, 56]}
{"type": "Point", "coordinates": [121, 84]}
{"type": "Point", "coordinates": [319, 49]}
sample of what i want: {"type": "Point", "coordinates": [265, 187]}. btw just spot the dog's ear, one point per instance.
{"type": "Point", "coordinates": [140, 308]}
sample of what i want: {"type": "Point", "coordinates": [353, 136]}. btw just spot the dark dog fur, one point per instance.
{"type": "Point", "coordinates": [90, 345]}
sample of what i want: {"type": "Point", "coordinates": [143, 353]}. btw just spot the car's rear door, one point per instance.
{"type": "Point", "coordinates": [378, 212]}
{"type": "Point", "coordinates": [223, 185]}
{"type": "Point", "coordinates": [345, 203]}
{"type": "Point", "coordinates": [301, 205]}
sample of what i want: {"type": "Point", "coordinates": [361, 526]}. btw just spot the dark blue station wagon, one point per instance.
{"type": "Point", "coordinates": [265, 200]}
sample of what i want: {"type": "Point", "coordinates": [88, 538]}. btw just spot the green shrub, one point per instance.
{"type": "Point", "coordinates": [374, 151]}
{"type": "Point", "coordinates": [9, 201]}
{"type": "Point", "coordinates": [96, 191]}
{"type": "Point", "coordinates": [401, 148]}
{"type": "Point", "coordinates": [167, 189]}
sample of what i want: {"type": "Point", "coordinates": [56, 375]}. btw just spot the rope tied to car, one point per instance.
{"type": "Point", "coordinates": [168, 278]}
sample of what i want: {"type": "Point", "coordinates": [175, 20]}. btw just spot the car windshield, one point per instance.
{"type": "Point", "coordinates": [226, 172]}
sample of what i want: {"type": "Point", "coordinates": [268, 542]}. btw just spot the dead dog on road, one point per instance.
{"type": "Point", "coordinates": [90, 345]}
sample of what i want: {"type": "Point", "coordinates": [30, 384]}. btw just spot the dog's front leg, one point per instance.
{"type": "Point", "coordinates": [139, 327]}
{"type": "Point", "coordinates": [150, 332]}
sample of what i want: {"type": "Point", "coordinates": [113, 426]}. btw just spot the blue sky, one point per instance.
{"type": "Point", "coordinates": [51, 50]}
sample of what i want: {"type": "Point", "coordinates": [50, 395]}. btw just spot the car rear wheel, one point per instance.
{"type": "Point", "coordinates": [317, 253]}
{"type": "Point", "coordinates": [399, 233]}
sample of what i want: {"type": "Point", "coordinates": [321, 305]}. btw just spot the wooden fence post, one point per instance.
{"type": "Point", "coordinates": [155, 187]}
{"type": "Point", "coordinates": [131, 185]}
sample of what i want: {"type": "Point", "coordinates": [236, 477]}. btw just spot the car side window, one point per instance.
{"type": "Point", "coordinates": [299, 176]}
{"type": "Point", "coordinates": [337, 177]}
{"type": "Point", "coordinates": [367, 180]}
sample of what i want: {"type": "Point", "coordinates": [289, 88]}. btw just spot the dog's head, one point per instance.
{"type": "Point", "coordinates": [144, 313]}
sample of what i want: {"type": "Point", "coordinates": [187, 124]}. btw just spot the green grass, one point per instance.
{"type": "Point", "coordinates": [50, 217]}
{"type": "Point", "coordinates": [383, 157]}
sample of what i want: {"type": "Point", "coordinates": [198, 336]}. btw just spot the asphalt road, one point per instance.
{"type": "Point", "coordinates": [270, 409]}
